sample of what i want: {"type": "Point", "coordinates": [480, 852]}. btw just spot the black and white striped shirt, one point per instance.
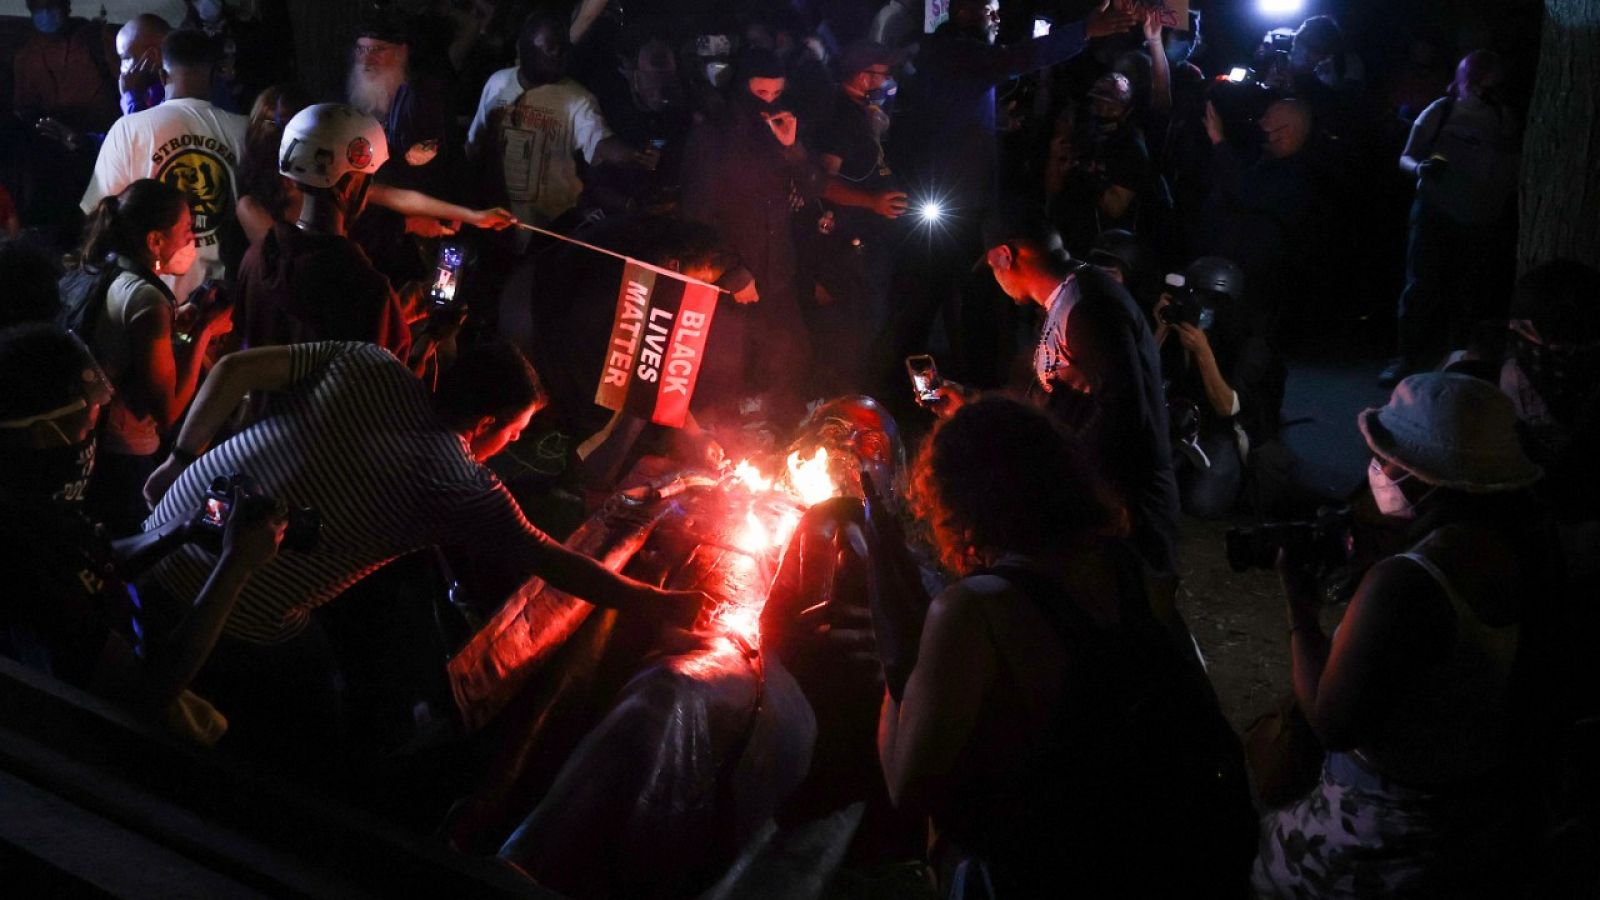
{"type": "Point", "coordinates": [354, 436]}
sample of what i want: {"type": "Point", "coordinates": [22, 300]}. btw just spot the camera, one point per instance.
{"type": "Point", "coordinates": [1241, 98]}
{"type": "Point", "coordinates": [301, 531]}
{"type": "Point", "coordinates": [1185, 305]}
{"type": "Point", "coordinates": [1325, 538]}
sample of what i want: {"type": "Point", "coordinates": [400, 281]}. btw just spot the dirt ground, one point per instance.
{"type": "Point", "coordinates": [1238, 620]}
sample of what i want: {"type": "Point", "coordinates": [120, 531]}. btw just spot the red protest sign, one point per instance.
{"type": "Point", "coordinates": [658, 340]}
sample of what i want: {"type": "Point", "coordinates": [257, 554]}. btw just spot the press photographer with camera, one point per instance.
{"type": "Point", "coordinates": [390, 469]}
{"type": "Point", "coordinates": [1418, 696]}
{"type": "Point", "coordinates": [67, 608]}
{"type": "Point", "coordinates": [1259, 207]}
{"type": "Point", "coordinates": [1222, 373]}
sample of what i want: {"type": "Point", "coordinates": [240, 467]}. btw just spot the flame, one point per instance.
{"type": "Point", "coordinates": [810, 478]}
{"type": "Point", "coordinates": [751, 477]}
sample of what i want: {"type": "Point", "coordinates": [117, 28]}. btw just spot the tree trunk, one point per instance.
{"type": "Point", "coordinates": [1560, 194]}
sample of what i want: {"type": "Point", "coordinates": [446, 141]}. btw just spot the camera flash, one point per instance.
{"type": "Point", "coordinates": [930, 211]}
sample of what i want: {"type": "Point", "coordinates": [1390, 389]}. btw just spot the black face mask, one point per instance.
{"type": "Point", "coordinates": [60, 473]}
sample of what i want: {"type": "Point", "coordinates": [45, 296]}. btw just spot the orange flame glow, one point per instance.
{"type": "Point", "coordinates": [751, 477]}
{"type": "Point", "coordinates": [753, 536]}
{"type": "Point", "coordinates": [810, 479]}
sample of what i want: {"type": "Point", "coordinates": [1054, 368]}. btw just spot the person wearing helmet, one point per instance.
{"type": "Point", "coordinates": [1115, 170]}
{"type": "Point", "coordinates": [1216, 361]}
{"type": "Point", "coordinates": [307, 280]}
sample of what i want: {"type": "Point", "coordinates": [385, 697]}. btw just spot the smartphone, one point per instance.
{"type": "Point", "coordinates": [1238, 74]}
{"type": "Point", "coordinates": [925, 380]}
{"type": "Point", "coordinates": [447, 274]}
{"type": "Point", "coordinates": [1041, 27]}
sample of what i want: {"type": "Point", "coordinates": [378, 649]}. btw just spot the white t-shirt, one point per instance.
{"type": "Point", "coordinates": [191, 145]}
{"type": "Point", "coordinates": [537, 138]}
{"type": "Point", "coordinates": [1052, 358]}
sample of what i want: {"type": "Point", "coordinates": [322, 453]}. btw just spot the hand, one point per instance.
{"type": "Point", "coordinates": [430, 227]}
{"type": "Point", "coordinates": [647, 159]}
{"type": "Point", "coordinates": [1431, 167]}
{"type": "Point", "coordinates": [496, 219]}
{"type": "Point", "coordinates": [155, 487]}
{"type": "Point", "coordinates": [746, 295]}
{"type": "Point", "coordinates": [1108, 20]}
{"type": "Point", "coordinates": [890, 204]}
{"type": "Point", "coordinates": [1214, 129]}
{"type": "Point", "coordinates": [1152, 25]}
{"type": "Point", "coordinates": [61, 134]}
{"type": "Point", "coordinates": [144, 72]}
{"type": "Point", "coordinates": [951, 397]}
{"type": "Point", "coordinates": [785, 127]}
{"type": "Point", "coordinates": [1195, 341]}
{"type": "Point", "coordinates": [1299, 590]}
{"type": "Point", "coordinates": [254, 530]}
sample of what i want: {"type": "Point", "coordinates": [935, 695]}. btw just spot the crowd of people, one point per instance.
{"type": "Point", "coordinates": [356, 301]}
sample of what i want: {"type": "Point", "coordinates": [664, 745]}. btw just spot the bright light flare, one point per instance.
{"type": "Point", "coordinates": [810, 478]}
{"type": "Point", "coordinates": [1279, 7]}
{"type": "Point", "coordinates": [740, 619]}
{"type": "Point", "coordinates": [751, 477]}
{"type": "Point", "coordinates": [930, 211]}
{"type": "Point", "coordinates": [753, 536]}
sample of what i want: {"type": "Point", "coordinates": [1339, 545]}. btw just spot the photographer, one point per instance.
{"type": "Point", "coordinates": [1418, 696]}
{"type": "Point", "coordinates": [390, 470]}
{"type": "Point", "coordinates": [1213, 333]}
{"type": "Point", "coordinates": [1258, 211]}
{"type": "Point", "coordinates": [67, 609]}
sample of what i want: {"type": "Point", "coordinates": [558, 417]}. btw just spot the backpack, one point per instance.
{"type": "Point", "coordinates": [83, 298]}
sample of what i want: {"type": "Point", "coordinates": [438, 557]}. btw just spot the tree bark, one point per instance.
{"type": "Point", "coordinates": [1560, 192]}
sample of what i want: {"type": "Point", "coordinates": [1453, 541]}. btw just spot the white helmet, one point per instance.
{"type": "Point", "coordinates": [326, 140]}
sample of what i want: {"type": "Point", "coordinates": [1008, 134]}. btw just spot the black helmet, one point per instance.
{"type": "Point", "coordinates": [1215, 274]}
{"type": "Point", "coordinates": [1117, 247]}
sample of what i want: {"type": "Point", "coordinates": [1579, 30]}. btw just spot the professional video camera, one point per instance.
{"type": "Point", "coordinates": [1241, 97]}
{"type": "Point", "coordinates": [1326, 539]}
{"type": "Point", "coordinates": [301, 531]}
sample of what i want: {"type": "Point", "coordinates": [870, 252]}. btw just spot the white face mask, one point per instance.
{"type": "Point", "coordinates": [182, 261]}
{"type": "Point", "coordinates": [1386, 491]}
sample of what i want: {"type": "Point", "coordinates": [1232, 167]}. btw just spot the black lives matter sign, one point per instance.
{"type": "Point", "coordinates": [657, 345]}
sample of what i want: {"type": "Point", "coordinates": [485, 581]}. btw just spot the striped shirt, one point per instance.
{"type": "Point", "coordinates": [355, 437]}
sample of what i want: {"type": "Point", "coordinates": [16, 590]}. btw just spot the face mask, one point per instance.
{"type": "Point", "coordinates": [48, 21]}
{"type": "Point", "coordinates": [1386, 491]}
{"type": "Point", "coordinates": [718, 74]}
{"type": "Point", "coordinates": [182, 261]}
{"type": "Point", "coordinates": [208, 10]}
